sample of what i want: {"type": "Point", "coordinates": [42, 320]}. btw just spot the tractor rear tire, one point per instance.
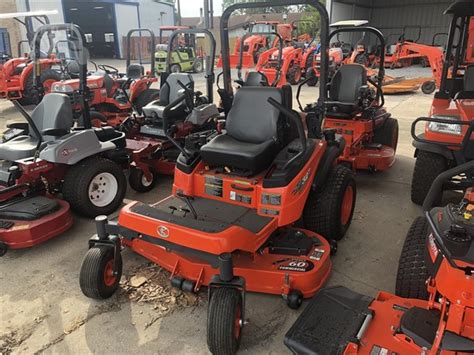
{"type": "Point", "coordinates": [47, 75]}
{"type": "Point", "coordinates": [311, 77]}
{"type": "Point", "coordinates": [427, 168]}
{"type": "Point", "coordinates": [145, 98]}
{"type": "Point", "coordinates": [294, 74]}
{"type": "Point", "coordinates": [96, 277]}
{"type": "Point", "coordinates": [412, 267]}
{"type": "Point", "coordinates": [388, 134]}
{"type": "Point", "coordinates": [224, 321]}
{"type": "Point", "coordinates": [329, 212]}
{"type": "Point", "coordinates": [94, 186]}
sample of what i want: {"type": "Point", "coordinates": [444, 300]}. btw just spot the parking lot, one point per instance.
{"type": "Point", "coordinates": [44, 311]}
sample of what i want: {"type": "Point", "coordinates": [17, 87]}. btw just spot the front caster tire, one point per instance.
{"type": "Point", "coordinates": [139, 182]}
{"type": "Point", "coordinates": [224, 321]}
{"type": "Point", "coordinates": [95, 186]}
{"type": "Point", "coordinates": [294, 299]}
{"type": "Point", "coordinates": [96, 277]}
{"type": "Point", "coordinates": [413, 264]}
{"type": "Point", "coordinates": [329, 212]}
{"type": "Point", "coordinates": [428, 87]}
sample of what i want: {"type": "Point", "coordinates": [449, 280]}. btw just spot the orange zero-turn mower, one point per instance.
{"type": "Point", "coordinates": [357, 111]}
{"type": "Point", "coordinates": [230, 221]}
{"type": "Point", "coordinates": [114, 96]}
{"type": "Point", "coordinates": [452, 110]}
{"type": "Point", "coordinates": [433, 311]}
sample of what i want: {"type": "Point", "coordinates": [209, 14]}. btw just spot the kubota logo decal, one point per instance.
{"type": "Point", "coordinates": [301, 184]}
{"type": "Point", "coordinates": [67, 152]}
{"type": "Point", "coordinates": [163, 232]}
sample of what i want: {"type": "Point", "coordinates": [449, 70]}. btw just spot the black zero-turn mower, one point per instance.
{"type": "Point", "coordinates": [51, 157]}
{"type": "Point", "coordinates": [258, 208]}
{"type": "Point", "coordinates": [433, 311]}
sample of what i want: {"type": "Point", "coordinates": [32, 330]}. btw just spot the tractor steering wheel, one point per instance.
{"type": "Point", "coordinates": [188, 95]}
{"type": "Point", "coordinates": [108, 69]}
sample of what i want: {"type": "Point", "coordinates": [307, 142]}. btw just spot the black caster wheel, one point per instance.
{"type": "Point", "coordinates": [294, 299]}
{"type": "Point", "coordinates": [177, 281]}
{"type": "Point", "coordinates": [224, 321]}
{"type": "Point", "coordinates": [97, 278]}
{"type": "Point", "coordinates": [333, 246]}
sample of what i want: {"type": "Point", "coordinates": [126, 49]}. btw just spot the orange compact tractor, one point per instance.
{"type": "Point", "coordinates": [452, 110]}
{"type": "Point", "coordinates": [16, 74]}
{"type": "Point", "coordinates": [356, 111]}
{"type": "Point", "coordinates": [113, 95]}
{"type": "Point", "coordinates": [253, 45]}
{"type": "Point", "coordinates": [230, 221]}
{"type": "Point", "coordinates": [433, 311]}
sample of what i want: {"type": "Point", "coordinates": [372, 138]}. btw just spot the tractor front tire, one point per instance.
{"type": "Point", "coordinates": [224, 321]}
{"type": "Point", "coordinates": [412, 267]}
{"type": "Point", "coordinates": [427, 168]}
{"type": "Point", "coordinates": [329, 212]}
{"type": "Point", "coordinates": [388, 134]}
{"type": "Point", "coordinates": [294, 74]}
{"type": "Point", "coordinates": [96, 277]}
{"type": "Point", "coordinates": [94, 186]}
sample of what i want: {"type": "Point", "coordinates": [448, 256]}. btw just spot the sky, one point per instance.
{"type": "Point", "coordinates": [190, 8]}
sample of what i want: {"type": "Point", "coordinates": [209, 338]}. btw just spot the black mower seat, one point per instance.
{"type": "Point", "coordinates": [135, 71]}
{"type": "Point", "coordinates": [345, 90]}
{"type": "Point", "coordinates": [250, 143]}
{"type": "Point", "coordinates": [468, 88]}
{"type": "Point", "coordinates": [53, 112]}
{"type": "Point", "coordinates": [254, 78]}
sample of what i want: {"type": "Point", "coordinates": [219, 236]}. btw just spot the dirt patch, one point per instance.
{"type": "Point", "coordinates": [150, 284]}
{"type": "Point", "coordinates": [13, 339]}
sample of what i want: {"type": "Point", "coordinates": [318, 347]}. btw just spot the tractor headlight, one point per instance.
{"type": "Point", "coordinates": [60, 88]}
{"type": "Point", "coordinates": [447, 128]}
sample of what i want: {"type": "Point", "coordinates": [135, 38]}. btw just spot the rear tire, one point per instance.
{"type": "Point", "coordinates": [329, 212]}
{"type": "Point", "coordinates": [96, 277]}
{"type": "Point", "coordinates": [388, 134]}
{"type": "Point", "coordinates": [47, 75]}
{"type": "Point", "coordinates": [145, 98]}
{"type": "Point", "coordinates": [412, 269]}
{"type": "Point", "coordinates": [427, 167]}
{"type": "Point", "coordinates": [224, 321]}
{"type": "Point", "coordinates": [94, 186]}
{"type": "Point", "coordinates": [139, 183]}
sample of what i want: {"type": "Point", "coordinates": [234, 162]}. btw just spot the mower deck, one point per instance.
{"type": "Point", "coordinates": [377, 158]}
{"type": "Point", "coordinates": [31, 221]}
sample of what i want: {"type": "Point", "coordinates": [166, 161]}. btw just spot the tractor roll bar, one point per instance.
{"type": "Point", "coordinates": [402, 37]}
{"type": "Point", "coordinates": [68, 28]}
{"type": "Point", "coordinates": [381, 38]}
{"type": "Point", "coordinates": [241, 53]}
{"type": "Point", "coordinates": [224, 31]}
{"type": "Point", "coordinates": [129, 50]}
{"type": "Point", "coordinates": [434, 192]}
{"type": "Point", "coordinates": [210, 78]}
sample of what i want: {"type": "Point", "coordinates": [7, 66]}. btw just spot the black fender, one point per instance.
{"type": "Point", "coordinates": [433, 148]}
{"type": "Point", "coordinates": [333, 151]}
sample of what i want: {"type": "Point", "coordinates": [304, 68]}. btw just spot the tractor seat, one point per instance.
{"type": "Point", "coordinates": [254, 78]}
{"type": "Point", "coordinates": [169, 92]}
{"type": "Point", "coordinates": [107, 81]}
{"type": "Point", "coordinates": [468, 87]}
{"type": "Point", "coordinates": [53, 112]}
{"type": "Point", "coordinates": [109, 134]}
{"type": "Point", "coordinates": [19, 68]}
{"type": "Point", "coordinates": [250, 143]}
{"type": "Point", "coordinates": [135, 71]}
{"type": "Point", "coordinates": [345, 91]}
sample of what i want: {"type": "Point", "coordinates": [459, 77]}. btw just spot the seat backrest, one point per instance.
{"type": "Point", "coordinates": [171, 89]}
{"type": "Point", "coordinates": [254, 78]}
{"type": "Point", "coordinates": [252, 119]}
{"type": "Point", "coordinates": [54, 111]}
{"type": "Point", "coordinates": [135, 71]}
{"type": "Point", "coordinates": [108, 81]}
{"type": "Point", "coordinates": [346, 83]}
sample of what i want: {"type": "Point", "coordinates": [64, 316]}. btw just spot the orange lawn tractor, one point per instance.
{"type": "Point", "coordinates": [452, 110]}
{"type": "Point", "coordinates": [253, 45]}
{"type": "Point", "coordinates": [230, 223]}
{"type": "Point", "coordinates": [356, 111]}
{"type": "Point", "coordinates": [16, 74]}
{"type": "Point", "coordinates": [113, 96]}
{"type": "Point", "coordinates": [433, 309]}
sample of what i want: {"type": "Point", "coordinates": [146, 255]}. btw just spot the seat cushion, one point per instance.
{"type": "Point", "coordinates": [20, 147]}
{"type": "Point", "coordinates": [224, 150]}
{"type": "Point", "coordinates": [343, 110]}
